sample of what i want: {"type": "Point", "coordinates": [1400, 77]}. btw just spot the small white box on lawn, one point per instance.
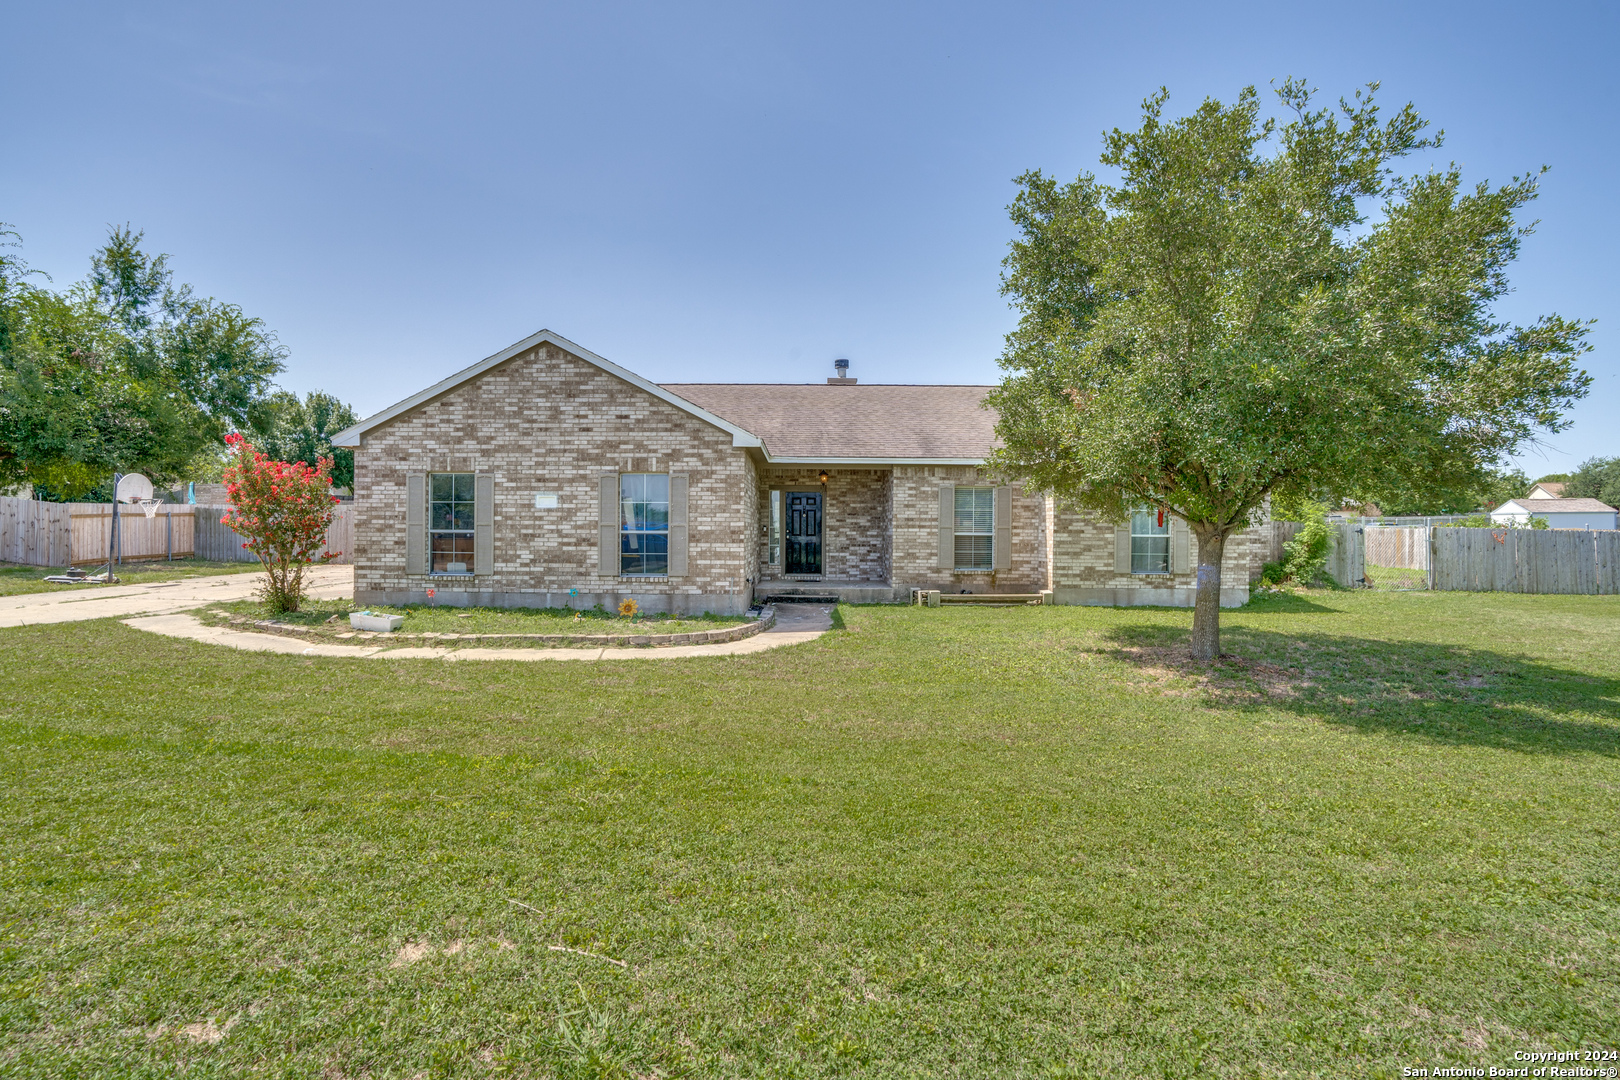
{"type": "Point", "coordinates": [365, 620]}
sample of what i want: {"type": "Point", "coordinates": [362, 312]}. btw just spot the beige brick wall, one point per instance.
{"type": "Point", "coordinates": [916, 534]}
{"type": "Point", "coordinates": [1083, 566]}
{"type": "Point", "coordinates": [547, 421]}
{"type": "Point", "coordinates": [855, 520]}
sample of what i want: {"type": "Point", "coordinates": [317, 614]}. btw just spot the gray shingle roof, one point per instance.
{"type": "Point", "coordinates": [1563, 506]}
{"type": "Point", "coordinates": [870, 422]}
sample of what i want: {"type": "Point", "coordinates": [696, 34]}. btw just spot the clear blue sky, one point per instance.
{"type": "Point", "coordinates": [713, 192]}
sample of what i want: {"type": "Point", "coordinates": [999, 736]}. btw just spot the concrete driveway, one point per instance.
{"type": "Point", "coordinates": [162, 597]}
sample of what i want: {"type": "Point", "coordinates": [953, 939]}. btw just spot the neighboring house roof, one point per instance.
{"type": "Point", "coordinates": [351, 436]}
{"type": "Point", "coordinates": [872, 423]}
{"type": "Point", "coordinates": [1552, 489]}
{"type": "Point", "coordinates": [1555, 506]}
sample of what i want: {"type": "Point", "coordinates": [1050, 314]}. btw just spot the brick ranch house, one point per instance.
{"type": "Point", "coordinates": [547, 476]}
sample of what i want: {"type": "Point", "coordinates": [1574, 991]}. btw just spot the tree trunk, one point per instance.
{"type": "Point", "coordinates": [1206, 632]}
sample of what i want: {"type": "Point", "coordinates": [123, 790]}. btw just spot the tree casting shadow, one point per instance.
{"type": "Point", "coordinates": [1444, 693]}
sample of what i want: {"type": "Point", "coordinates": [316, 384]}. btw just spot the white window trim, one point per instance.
{"type": "Point", "coordinates": [1168, 534]}
{"type": "Point", "coordinates": [991, 533]}
{"type": "Point", "coordinates": [664, 532]}
{"type": "Point", "coordinates": [432, 532]}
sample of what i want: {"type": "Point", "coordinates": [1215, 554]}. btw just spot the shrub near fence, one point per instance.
{"type": "Point", "coordinates": [221, 543]}
{"type": "Point", "coordinates": [1574, 561]}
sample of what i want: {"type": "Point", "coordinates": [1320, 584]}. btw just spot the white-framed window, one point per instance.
{"type": "Point", "coordinates": [546, 500]}
{"type": "Point", "coordinates": [451, 515]}
{"type": "Point", "coordinates": [975, 528]}
{"type": "Point", "coordinates": [1150, 541]}
{"type": "Point", "coordinates": [773, 532]}
{"type": "Point", "coordinates": [644, 524]}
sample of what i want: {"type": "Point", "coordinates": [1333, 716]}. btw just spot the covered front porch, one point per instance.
{"type": "Point", "coordinates": [826, 531]}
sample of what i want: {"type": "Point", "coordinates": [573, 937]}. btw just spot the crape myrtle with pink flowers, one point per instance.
{"type": "Point", "coordinates": [283, 509]}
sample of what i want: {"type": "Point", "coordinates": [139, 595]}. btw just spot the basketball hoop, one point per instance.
{"type": "Point", "coordinates": [133, 488]}
{"type": "Point", "coordinates": [150, 506]}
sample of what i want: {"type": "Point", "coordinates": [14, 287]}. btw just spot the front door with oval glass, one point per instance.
{"type": "Point", "coordinates": [803, 529]}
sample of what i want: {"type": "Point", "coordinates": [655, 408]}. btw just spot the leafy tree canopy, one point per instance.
{"type": "Point", "coordinates": [1259, 309]}
{"type": "Point", "coordinates": [288, 428]}
{"type": "Point", "coordinates": [1598, 478]}
{"type": "Point", "coordinates": [1490, 489]}
{"type": "Point", "coordinates": [125, 370]}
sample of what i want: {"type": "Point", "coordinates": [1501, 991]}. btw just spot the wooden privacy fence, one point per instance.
{"type": "Point", "coordinates": [165, 535]}
{"type": "Point", "coordinates": [1575, 561]}
{"type": "Point", "coordinates": [219, 543]}
{"type": "Point", "coordinates": [35, 533]}
{"type": "Point", "coordinates": [64, 534]}
{"type": "Point", "coordinates": [1347, 554]}
{"type": "Point", "coordinates": [1403, 547]}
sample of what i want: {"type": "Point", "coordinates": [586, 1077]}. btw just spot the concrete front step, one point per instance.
{"type": "Point", "coordinates": [991, 598]}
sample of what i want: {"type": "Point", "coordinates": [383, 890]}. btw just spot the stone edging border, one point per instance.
{"type": "Point", "coordinates": [766, 620]}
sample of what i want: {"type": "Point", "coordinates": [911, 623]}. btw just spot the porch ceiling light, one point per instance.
{"type": "Point", "coordinates": [823, 476]}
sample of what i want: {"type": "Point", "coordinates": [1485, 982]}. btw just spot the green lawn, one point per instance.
{"type": "Point", "coordinates": [953, 842]}
{"type": "Point", "coordinates": [1397, 577]}
{"type": "Point", "coordinates": [317, 616]}
{"type": "Point", "coordinates": [15, 579]}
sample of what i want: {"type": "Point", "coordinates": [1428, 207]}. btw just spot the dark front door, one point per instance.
{"type": "Point", "coordinates": [804, 532]}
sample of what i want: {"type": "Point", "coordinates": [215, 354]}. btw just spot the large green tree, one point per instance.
{"type": "Point", "coordinates": [1258, 308]}
{"type": "Point", "coordinates": [1597, 478]}
{"type": "Point", "coordinates": [288, 428]}
{"type": "Point", "coordinates": [1485, 492]}
{"type": "Point", "coordinates": [125, 370]}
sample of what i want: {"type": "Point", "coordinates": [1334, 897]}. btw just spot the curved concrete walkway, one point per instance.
{"type": "Point", "coordinates": [800, 627]}
{"type": "Point", "coordinates": [161, 608]}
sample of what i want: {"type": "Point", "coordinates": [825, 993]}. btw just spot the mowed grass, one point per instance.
{"type": "Point", "coordinates": [16, 580]}
{"type": "Point", "coordinates": [1023, 842]}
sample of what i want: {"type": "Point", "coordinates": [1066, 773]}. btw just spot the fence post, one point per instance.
{"type": "Point", "coordinates": [1431, 558]}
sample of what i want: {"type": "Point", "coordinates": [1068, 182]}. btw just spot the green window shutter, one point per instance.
{"type": "Point", "coordinates": [609, 561]}
{"type": "Point", "coordinates": [1001, 546]}
{"type": "Point", "coordinates": [483, 523]}
{"type": "Point", "coordinates": [677, 524]}
{"type": "Point", "coordinates": [1180, 547]}
{"type": "Point", "coordinates": [416, 523]}
{"type": "Point", "coordinates": [1122, 549]}
{"type": "Point", "coordinates": [947, 526]}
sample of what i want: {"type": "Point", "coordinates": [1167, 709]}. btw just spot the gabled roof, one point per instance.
{"type": "Point", "coordinates": [1552, 489]}
{"type": "Point", "coordinates": [1557, 506]}
{"type": "Point", "coordinates": [351, 436]}
{"type": "Point", "coordinates": [808, 423]}
{"type": "Point", "coordinates": [873, 424]}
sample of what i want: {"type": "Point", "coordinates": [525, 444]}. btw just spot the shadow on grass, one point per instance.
{"type": "Point", "coordinates": [1286, 603]}
{"type": "Point", "coordinates": [1443, 693]}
